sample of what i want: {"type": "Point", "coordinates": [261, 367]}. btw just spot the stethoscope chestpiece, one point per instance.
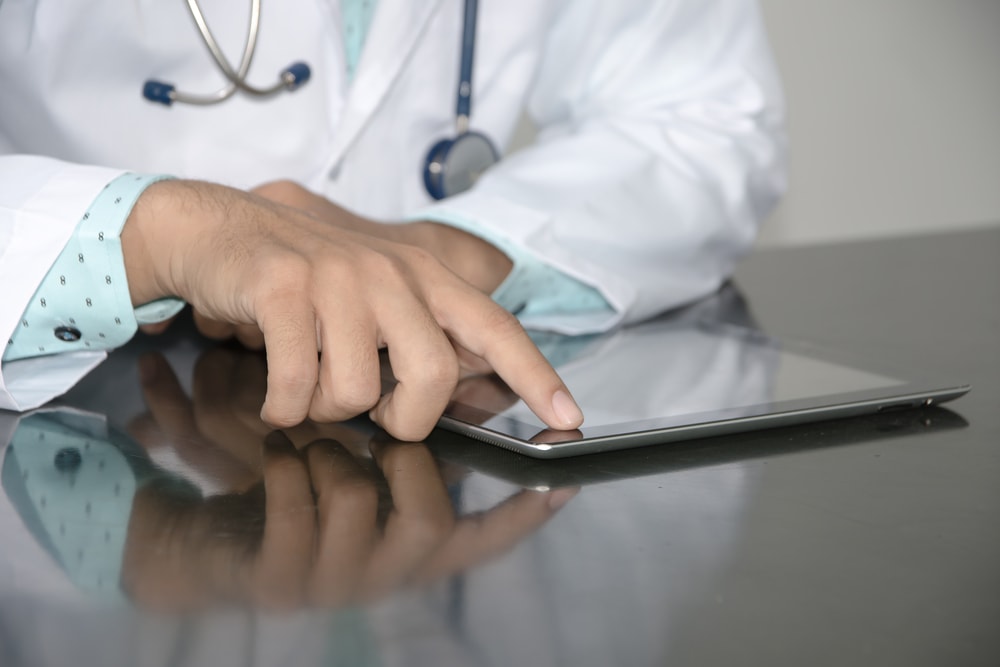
{"type": "Point", "coordinates": [454, 165]}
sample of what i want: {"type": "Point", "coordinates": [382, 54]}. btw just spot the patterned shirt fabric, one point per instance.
{"type": "Point", "coordinates": [84, 301]}
{"type": "Point", "coordinates": [357, 17]}
{"type": "Point", "coordinates": [73, 490]}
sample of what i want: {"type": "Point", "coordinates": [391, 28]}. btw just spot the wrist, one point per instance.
{"type": "Point", "coordinates": [147, 244]}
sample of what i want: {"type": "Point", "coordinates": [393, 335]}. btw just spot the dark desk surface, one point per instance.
{"type": "Point", "coordinates": [872, 541]}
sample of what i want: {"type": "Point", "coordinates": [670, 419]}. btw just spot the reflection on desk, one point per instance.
{"type": "Point", "coordinates": [340, 517]}
{"type": "Point", "coordinates": [784, 547]}
{"type": "Point", "coordinates": [201, 513]}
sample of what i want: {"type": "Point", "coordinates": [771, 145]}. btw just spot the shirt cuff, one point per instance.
{"type": "Point", "coordinates": [83, 303]}
{"type": "Point", "coordinates": [532, 288]}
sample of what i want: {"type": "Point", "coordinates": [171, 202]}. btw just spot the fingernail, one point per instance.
{"type": "Point", "coordinates": [560, 497]}
{"type": "Point", "coordinates": [147, 369]}
{"type": "Point", "coordinates": [567, 411]}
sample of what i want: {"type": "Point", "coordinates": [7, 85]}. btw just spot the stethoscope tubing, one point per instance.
{"type": "Point", "coordinates": [463, 105]}
{"type": "Point", "coordinates": [291, 78]}
{"type": "Point", "coordinates": [448, 170]}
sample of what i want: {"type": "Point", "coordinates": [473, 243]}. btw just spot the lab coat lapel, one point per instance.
{"type": "Point", "coordinates": [396, 28]}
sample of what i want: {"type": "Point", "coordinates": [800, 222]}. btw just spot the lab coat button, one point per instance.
{"type": "Point", "coordinates": [67, 334]}
{"type": "Point", "coordinates": [67, 459]}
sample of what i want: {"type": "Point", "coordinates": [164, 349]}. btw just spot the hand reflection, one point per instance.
{"type": "Point", "coordinates": [319, 515]}
{"type": "Point", "coordinates": [216, 432]}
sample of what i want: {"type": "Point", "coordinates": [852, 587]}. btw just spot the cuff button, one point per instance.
{"type": "Point", "coordinates": [67, 334]}
{"type": "Point", "coordinates": [67, 459]}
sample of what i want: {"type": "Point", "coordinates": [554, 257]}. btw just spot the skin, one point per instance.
{"type": "Point", "coordinates": [302, 276]}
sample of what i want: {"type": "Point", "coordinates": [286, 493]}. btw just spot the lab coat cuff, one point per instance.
{"type": "Point", "coordinates": [41, 201]}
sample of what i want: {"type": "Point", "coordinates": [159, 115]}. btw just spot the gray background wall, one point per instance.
{"type": "Point", "coordinates": [894, 109]}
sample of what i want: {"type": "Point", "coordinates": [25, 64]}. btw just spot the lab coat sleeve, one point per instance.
{"type": "Point", "coordinates": [660, 150]}
{"type": "Point", "coordinates": [41, 202]}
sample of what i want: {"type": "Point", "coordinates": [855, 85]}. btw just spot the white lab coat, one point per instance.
{"type": "Point", "coordinates": [660, 131]}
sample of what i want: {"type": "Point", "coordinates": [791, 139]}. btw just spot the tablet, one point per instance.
{"type": "Point", "coordinates": [705, 371]}
{"type": "Point", "coordinates": [546, 474]}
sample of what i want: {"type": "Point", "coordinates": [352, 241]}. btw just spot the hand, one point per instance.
{"type": "Point", "coordinates": [319, 290]}
{"type": "Point", "coordinates": [476, 261]}
{"type": "Point", "coordinates": [307, 519]}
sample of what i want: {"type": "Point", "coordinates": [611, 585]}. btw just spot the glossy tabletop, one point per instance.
{"type": "Point", "coordinates": [151, 519]}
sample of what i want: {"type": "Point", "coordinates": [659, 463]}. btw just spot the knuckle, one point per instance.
{"type": "Point", "coordinates": [281, 272]}
{"type": "Point", "coordinates": [282, 190]}
{"type": "Point", "coordinates": [440, 374]}
{"type": "Point", "coordinates": [388, 267]}
{"type": "Point", "coordinates": [421, 257]}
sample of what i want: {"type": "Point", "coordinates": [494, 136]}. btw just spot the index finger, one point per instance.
{"type": "Point", "coordinates": [481, 326]}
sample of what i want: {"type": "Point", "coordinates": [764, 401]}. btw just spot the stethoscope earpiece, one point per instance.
{"type": "Point", "coordinates": [296, 76]}
{"type": "Point", "coordinates": [159, 92]}
{"type": "Point", "coordinates": [291, 78]}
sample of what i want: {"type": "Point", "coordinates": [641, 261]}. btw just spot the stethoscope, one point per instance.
{"type": "Point", "coordinates": [452, 165]}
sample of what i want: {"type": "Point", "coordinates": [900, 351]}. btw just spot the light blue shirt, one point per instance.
{"type": "Point", "coordinates": [357, 17]}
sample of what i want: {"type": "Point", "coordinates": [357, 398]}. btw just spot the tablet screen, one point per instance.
{"type": "Point", "coordinates": [668, 374]}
